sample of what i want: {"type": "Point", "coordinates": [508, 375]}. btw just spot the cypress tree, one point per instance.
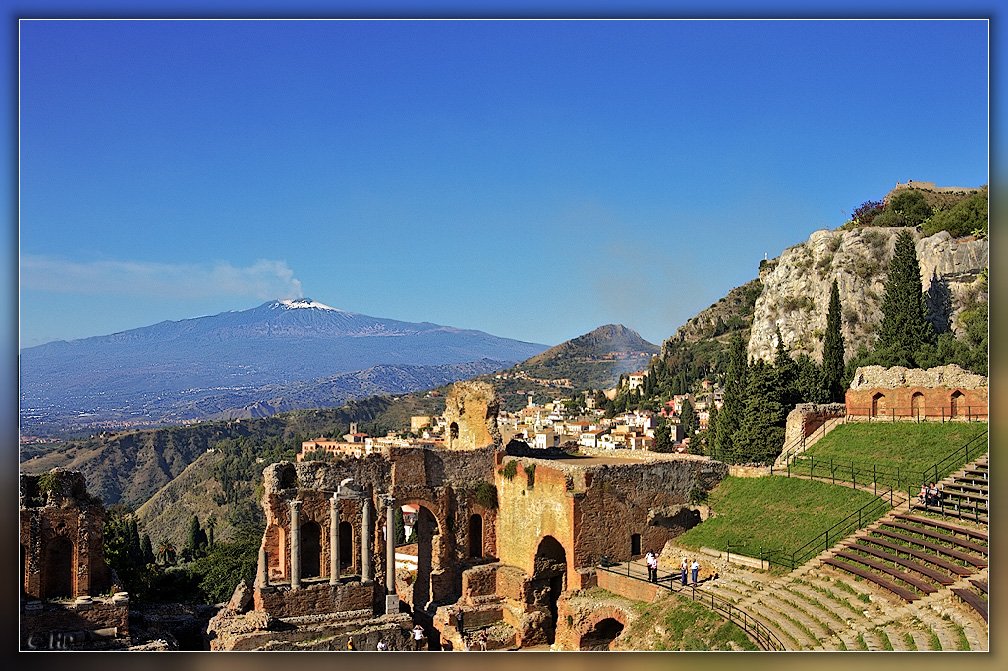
{"type": "Point", "coordinates": [761, 432]}
{"type": "Point", "coordinates": [833, 349]}
{"type": "Point", "coordinates": [400, 527]}
{"type": "Point", "coordinates": [905, 327]}
{"type": "Point", "coordinates": [730, 417]}
{"type": "Point", "coordinates": [688, 419]}
{"type": "Point", "coordinates": [147, 549]}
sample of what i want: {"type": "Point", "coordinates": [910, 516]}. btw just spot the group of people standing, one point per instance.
{"type": "Point", "coordinates": [651, 558]}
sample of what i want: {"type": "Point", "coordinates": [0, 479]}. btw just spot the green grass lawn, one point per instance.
{"type": "Point", "coordinates": [774, 512]}
{"type": "Point", "coordinates": [911, 447]}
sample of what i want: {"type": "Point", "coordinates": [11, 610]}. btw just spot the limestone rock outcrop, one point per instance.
{"type": "Point", "coordinates": [796, 287]}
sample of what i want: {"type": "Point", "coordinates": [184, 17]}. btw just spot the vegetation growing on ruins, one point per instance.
{"type": "Point", "coordinates": [772, 513]}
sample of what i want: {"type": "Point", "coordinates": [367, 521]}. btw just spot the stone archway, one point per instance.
{"type": "Point", "coordinates": [550, 567]}
{"type": "Point", "coordinates": [311, 550]}
{"type": "Point", "coordinates": [917, 407]}
{"type": "Point", "coordinates": [601, 636]}
{"type": "Point", "coordinates": [57, 569]}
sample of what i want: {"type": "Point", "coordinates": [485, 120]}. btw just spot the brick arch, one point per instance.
{"type": "Point", "coordinates": [606, 612]}
{"type": "Point", "coordinates": [58, 574]}
{"type": "Point", "coordinates": [431, 558]}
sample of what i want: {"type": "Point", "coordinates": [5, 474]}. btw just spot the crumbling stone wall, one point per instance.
{"type": "Point", "coordinates": [61, 537]}
{"type": "Point", "coordinates": [596, 510]}
{"type": "Point", "coordinates": [471, 409]}
{"type": "Point", "coordinates": [806, 418]}
{"type": "Point", "coordinates": [941, 392]}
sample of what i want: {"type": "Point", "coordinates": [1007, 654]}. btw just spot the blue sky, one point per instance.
{"type": "Point", "coordinates": [531, 179]}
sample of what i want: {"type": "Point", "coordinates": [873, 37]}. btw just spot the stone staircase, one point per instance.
{"type": "Point", "coordinates": [911, 581]}
{"type": "Point", "coordinates": [963, 494]}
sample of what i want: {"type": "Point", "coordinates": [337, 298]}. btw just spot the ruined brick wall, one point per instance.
{"type": "Point", "coordinates": [649, 499]}
{"type": "Point", "coordinates": [528, 514]}
{"type": "Point", "coordinates": [940, 392]}
{"type": "Point", "coordinates": [596, 510]}
{"type": "Point", "coordinates": [317, 599]}
{"type": "Point", "coordinates": [471, 416]}
{"type": "Point", "coordinates": [913, 402]}
{"type": "Point", "coordinates": [460, 468]}
{"type": "Point", "coordinates": [71, 621]}
{"type": "Point", "coordinates": [61, 539]}
{"type": "Point", "coordinates": [806, 418]}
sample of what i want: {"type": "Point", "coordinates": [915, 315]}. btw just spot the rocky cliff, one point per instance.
{"type": "Point", "coordinates": [796, 287]}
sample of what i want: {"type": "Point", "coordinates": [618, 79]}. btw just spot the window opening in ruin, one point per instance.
{"type": "Point", "coordinates": [601, 636]}
{"type": "Point", "coordinates": [311, 550]}
{"type": "Point", "coordinates": [917, 405]}
{"type": "Point", "coordinates": [346, 555]}
{"type": "Point", "coordinates": [878, 405]}
{"type": "Point", "coordinates": [635, 544]}
{"type": "Point", "coordinates": [955, 403]}
{"type": "Point", "coordinates": [476, 536]}
{"type": "Point", "coordinates": [550, 566]}
{"type": "Point", "coordinates": [453, 430]}
{"type": "Point", "coordinates": [57, 576]}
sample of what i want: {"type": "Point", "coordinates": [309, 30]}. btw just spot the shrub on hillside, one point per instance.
{"type": "Point", "coordinates": [966, 217]}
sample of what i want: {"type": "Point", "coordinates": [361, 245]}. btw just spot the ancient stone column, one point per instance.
{"type": "Point", "coordinates": [295, 541]}
{"type": "Point", "coordinates": [334, 567]}
{"type": "Point", "coordinates": [365, 538]}
{"type": "Point", "coordinates": [390, 544]}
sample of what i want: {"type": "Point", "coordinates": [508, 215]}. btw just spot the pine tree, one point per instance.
{"type": "Point", "coordinates": [905, 327]}
{"type": "Point", "coordinates": [833, 349]}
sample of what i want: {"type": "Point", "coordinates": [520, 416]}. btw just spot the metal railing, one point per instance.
{"type": "Point", "coordinates": [860, 518]}
{"type": "Point", "coordinates": [755, 629]}
{"type": "Point", "coordinates": [949, 504]}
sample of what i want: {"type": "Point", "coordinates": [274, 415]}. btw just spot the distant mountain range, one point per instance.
{"type": "Point", "coordinates": [280, 355]}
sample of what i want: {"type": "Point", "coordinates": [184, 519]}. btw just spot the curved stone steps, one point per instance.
{"type": "Point", "coordinates": [828, 619]}
{"type": "Point", "coordinates": [946, 636]}
{"type": "Point", "coordinates": [873, 641]}
{"type": "Point", "coordinates": [849, 639]}
{"type": "Point", "coordinates": [921, 638]}
{"type": "Point", "coordinates": [795, 612]}
{"type": "Point", "coordinates": [838, 610]}
{"type": "Point", "coordinates": [896, 638]}
{"type": "Point", "coordinates": [791, 633]}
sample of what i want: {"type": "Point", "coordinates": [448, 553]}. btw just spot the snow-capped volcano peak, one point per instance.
{"type": "Point", "coordinates": [293, 303]}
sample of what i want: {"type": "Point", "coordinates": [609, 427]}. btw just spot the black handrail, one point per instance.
{"type": "Point", "coordinates": [758, 631]}
{"type": "Point", "coordinates": [930, 474]}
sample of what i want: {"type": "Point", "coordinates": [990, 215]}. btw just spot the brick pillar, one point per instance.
{"type": "Point", "coordinates": [365, 538]}
{"type": "Point", "coordinates": [334, 559]}
{"type": "Point", "coordinates": [295, 541]}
